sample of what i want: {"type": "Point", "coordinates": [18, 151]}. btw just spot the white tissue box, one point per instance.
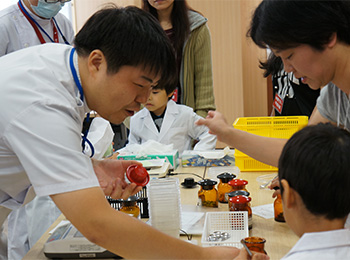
{"type": "Point", "coordinates": [207, 158]}
{"type": "Point", "coordinates": [171, 157]}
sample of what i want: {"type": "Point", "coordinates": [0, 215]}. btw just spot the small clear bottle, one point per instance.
{"type": "Point", "coordinates": [238, 184]}
{"type": "Point", "coordinates": [278, 209]}
{"type": "Point", "coordinates": [223, 186]}
{"type": "Point", "coordinates": [241, 203]}
{"type": "Point", "coordinates": [130, 207]}
{"type": "Point", "coordinates": [208, 194]}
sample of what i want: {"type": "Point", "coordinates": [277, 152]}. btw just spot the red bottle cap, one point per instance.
{"type": "Point", "coordinates": [240, 199]}
{"type": "Point", "coordinates": [137, 174]}
{"type": "Point", "coordinates": [238, 182]}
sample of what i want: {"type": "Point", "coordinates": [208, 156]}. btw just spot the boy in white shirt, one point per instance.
{"type": "Point", "coordinates": [315, 180]}
{"type": "Point", "coordinates": [166, 122]}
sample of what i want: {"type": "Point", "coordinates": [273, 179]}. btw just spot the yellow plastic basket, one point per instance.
{"type": "Point", "coordinates": [276, 127]}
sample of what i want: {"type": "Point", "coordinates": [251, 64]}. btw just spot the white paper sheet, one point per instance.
{"type": "Point", "coordinates": [265, 211]}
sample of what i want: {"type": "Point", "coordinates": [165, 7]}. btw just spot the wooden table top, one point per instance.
{"type": "Point", "coordinates": [279, 238]}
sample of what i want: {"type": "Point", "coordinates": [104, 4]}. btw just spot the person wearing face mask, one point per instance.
{"type": "Point", "coordinates": [33, 22]}
{"type": "Point", "coordinates": [24, 24]}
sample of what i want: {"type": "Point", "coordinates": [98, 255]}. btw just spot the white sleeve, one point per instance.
{"type": "Point", "coordinates": [101, 136]}
{"type": "Point", "coordinates": [133, 138]}
{"type": "Point", "coordinates": [46, 138]}
{"type": "Point", "coordinates": [206, 141]}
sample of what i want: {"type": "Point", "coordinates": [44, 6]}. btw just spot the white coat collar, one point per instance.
{"type": "Point", "coordinates": [170, 114]}
{"type": "Point", "coordinates": [321, 240]}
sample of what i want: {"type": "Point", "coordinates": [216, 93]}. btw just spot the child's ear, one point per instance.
{"type": "Point", "coordinates": [171, 94]}
{"type": "Point", "coordinates": [289, 194]}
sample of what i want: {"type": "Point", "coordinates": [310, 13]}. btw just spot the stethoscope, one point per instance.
{"type": "Point", "coordinates": [35, 25]}
{"type": "Point", "coordinates": [80, 88]}
{"type": "Point", "coordinates": [74, 72]}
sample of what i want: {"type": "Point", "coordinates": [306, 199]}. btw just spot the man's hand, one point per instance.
{"type": "Point", "coordinates": [111, 176]}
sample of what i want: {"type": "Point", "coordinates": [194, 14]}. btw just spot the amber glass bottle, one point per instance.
{"type": "Point", "coordinates": [278, 208]}
{"type": "Point", "coordinates": [208, 194]}
{"type": "Point", "coordinates": [236, 193]}
{"type": "Point", "coordinates": [241, 203]}
{"type": "Point", "coordinates": [223, 186]}
{"type": "Point", "coordinates": [130, 207]}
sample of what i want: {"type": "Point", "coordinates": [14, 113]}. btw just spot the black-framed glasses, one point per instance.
{"type": "Point", "coordinates": [55, 1]}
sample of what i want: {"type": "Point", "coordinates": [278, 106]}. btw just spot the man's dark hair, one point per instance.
{"type": "Point", "coordinates": [316, 163]}
{"type": "Point", "coordinates": [128, 37]}
{"type": "Point", "coordinates": [283, 24]}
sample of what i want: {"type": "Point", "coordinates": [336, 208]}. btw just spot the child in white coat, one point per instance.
{"type": "Point", "coordinates": [314, 181]}
{"type": "Point", "coordinates": [166, 122]}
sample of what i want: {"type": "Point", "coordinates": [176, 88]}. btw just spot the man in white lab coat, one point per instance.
{"type": "Point", "coordinates": [29, 23]}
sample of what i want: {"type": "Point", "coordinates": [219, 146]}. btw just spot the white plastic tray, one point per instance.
{"type": "Point", "coordinates": [235, 223]}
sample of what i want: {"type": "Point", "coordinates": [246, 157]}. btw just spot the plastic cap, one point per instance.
{"type": "Point", "coordinates": [207, 182]}
{"type": "Point", "coordinates": [237, 193]}
{"type": "Point", "coordinates": [238, 182]}
{"type": "Point", "coordinates": [226, 177]}
{"type": "Point", "coordinates": [240, 199]}
{"type": "Point", "coordinates": [137, 174]}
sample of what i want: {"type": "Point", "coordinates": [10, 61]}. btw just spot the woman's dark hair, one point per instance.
{"type": "Point", "coordinates": [128, 37]}
{"type": "Point", "coordinates": [315, 162]}
{"type": "Point", "coordinates": [179, 20]}
{"type": "Point", "coordinates": [272, 66]}
{"type": "Point", "coordinates": [283, 24]}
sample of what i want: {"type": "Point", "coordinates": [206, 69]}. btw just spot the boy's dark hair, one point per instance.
{"type": "Point", "coordinates": [316, 163]}
{"type": "Point", "coordinates": [128, 37]}
{"type": "Point", "coordinates": [283, 24]}
{"type": "Point", "coordinates": [168, 88]}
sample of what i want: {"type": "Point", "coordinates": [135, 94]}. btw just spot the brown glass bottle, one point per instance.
{"type": "Point", "coordinates": [278, 208]}
{"type": "Point", "coordinates": [223, 186]}
{"type": "Point", "coordinates": [236, 193]}
{"type": "Point", "coordinates": [256, 244]}
{"type": "Point", "coordinates": [130, 207]}
{"type": "Point", "coordinates": [208, 194]}
{"type": "Point", "coordinates": [241, 203]}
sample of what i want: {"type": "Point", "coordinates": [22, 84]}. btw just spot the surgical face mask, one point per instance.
{"type": "Point", "coordinates": [47, 10]}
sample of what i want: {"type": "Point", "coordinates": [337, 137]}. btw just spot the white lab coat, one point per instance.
{"type": "Point", "coordinates": [334, 244]}
{"type": "Point", "coordinates": [27, 224]}
{"type": "Point", "coordinates": [178, 128]}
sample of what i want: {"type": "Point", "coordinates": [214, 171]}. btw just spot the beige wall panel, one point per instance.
{"type": "Point", "coordinates": [254, 84]}
{"type": "Point", "coordinates": [239, 87]}
{"type": "Point", "coordinates": [224, 24]}
{"type": "Point", "coordinates": [83, 9]}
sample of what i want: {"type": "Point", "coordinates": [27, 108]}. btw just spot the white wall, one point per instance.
{"type": "Point", "coordinates": [6, 3]}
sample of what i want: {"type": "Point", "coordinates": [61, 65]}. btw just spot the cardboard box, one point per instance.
{"type": "Point", "coordinates": [171, 157]}
{"type": "Point", "coordinates": [207, 158]}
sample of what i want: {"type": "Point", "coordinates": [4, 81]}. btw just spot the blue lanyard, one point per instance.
{"type": "Point", "coordinates": [38, 25]}
{"type": "Point", "coordinates": [80, 88]}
